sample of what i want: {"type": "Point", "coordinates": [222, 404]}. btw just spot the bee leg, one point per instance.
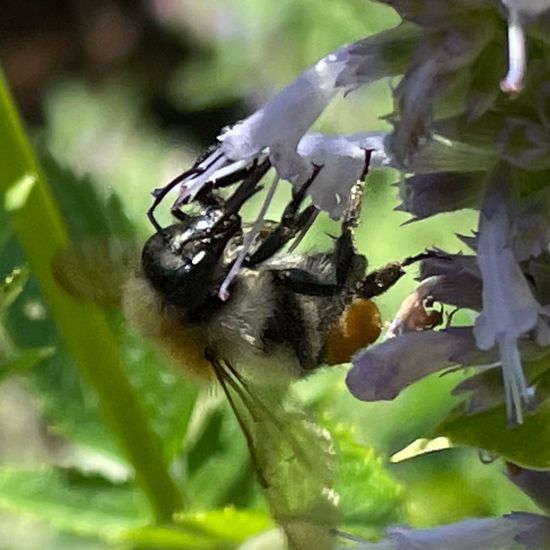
{"type": "Point", "coordinates": [345, 251]}
{"type": "Point", "coordinates": [179, 215]}
{"type": "Point", "coordinates": [292, 221]}
{"type": "Point", "coordinates": [380, 280]}
{"type": "Point", "coordinates": [247, 189]}
{"type": "Point", "coordinates": [161, 192]}
{"type": "Point", "coordinates": [345, 256]}
{"type": "Point", "coordinates": [384, 278]}
{"type": "Point", "coordinates": [279, 237]}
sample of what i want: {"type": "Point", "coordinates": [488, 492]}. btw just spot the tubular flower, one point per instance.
{"type": "Point", "coordinates": [515, 530]}
{"type": "Point", "coordinates": [518, 11]}
{"type": "Point", "coordinates": [509, 307]}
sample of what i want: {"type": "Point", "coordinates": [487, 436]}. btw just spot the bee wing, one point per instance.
{"type": "Point", "coordinates": [293, 457]}
{"type": "Point", "coordinates": [94, 270]}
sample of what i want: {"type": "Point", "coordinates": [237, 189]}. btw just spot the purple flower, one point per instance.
{"type": "Point", "coordinates": [344, 161]}
{"type": "Point", "coordinates": [428, 194]}
{"type": "Point", "coordinates": [383, 370]}
{"type": "Point", "coordinates": [456, 279]}
{"type": "Point", "coordinates": [509, 307]}
{"type": "Point", "coordinates": [436, 66]}
{"type": "Point", "coordinates": [518, 11]}
{"type": "Point", "coordinates": [516, 530]}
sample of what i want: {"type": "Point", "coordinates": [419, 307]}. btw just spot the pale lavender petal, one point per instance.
{"type": "Point", "coordinates": [443, 263]}
{"type": "Point", "coordinates": [517, 58]}
{"type": "Point", "coordinates": [516, 530]}
{"type": "Point", "coordinates": [509, 307]}
{"type": "Point", "coordinates": [458, 280]}
{"type": "Point", "coordinates": [462, 291]}
{"type": "Point", "coordinates": [282, 121]}
{"type": "Point", "coordinates": [383, 370]}
{"type": "Point", "coordinates": [435, 67]}
{"type": "Point", "coordinates": [380, 55]}
{"type": "Point", "coordinates": [343, 160]}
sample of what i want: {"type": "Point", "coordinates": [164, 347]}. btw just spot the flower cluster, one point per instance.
{"type": "Point", "coordinates": [506, 277]}
{"type": "Point", "coordinates": [471, 129]}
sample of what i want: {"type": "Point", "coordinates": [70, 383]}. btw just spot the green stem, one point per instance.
{"type": "Point", "coordinates": [42, 234]}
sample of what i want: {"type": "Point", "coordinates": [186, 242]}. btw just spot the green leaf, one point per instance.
{"type": "Point", "coordinates": [85, 505]}
{"type": "Point", "coordinates": [12, 286]}
{"type": "Point", "coordinates": [23, 361]}
{"type": "Point", "coordinates": [369, 496]}
{"type": "Point", "coordinates": [87, 210]}
{"type": "Point", "coordinates": [91, 506]}
{"type": "Point", "coordinates": [213, 530]}
{"type": "Point", "coordinates": [293, 457]}
{"type": "Point", "coordinates": [85, 331]}
{"type": "Point", "coordinates": [527, 445]}
{"type": "Point", "coordinates": [214, 446]}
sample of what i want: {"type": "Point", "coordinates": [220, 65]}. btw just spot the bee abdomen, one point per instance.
{"type": "Point", "coordinates": [358, 326]}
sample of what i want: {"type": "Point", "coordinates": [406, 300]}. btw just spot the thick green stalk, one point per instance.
{"type": "Point", "coordinates": [42, 234]}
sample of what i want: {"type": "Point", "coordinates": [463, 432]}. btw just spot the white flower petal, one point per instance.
{"type": "Point", "coordinates": [342, 158]}
{"type": "Point", "coordinates": [284, 119]}
{"type": "Point", "coordinates": [517, 58]}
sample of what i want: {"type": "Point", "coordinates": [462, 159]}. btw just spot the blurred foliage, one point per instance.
{"type": "Point", "coordinates": [104, 143]}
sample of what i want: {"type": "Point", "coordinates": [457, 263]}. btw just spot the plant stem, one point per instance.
{"type": "Point", "coordinates": [42, 234]}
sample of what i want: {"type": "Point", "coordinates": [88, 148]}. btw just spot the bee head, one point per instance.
{"type": "Point", "coordinates": [185, 261]}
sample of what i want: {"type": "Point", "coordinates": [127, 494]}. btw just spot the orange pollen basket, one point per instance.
{"type": "Point", "coordinates": [359, 326]}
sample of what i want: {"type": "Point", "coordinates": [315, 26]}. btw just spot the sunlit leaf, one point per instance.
{"type": "Point", "coordinates": [212, 530]}
{"type": "Point", "coordinates": [369, 496]}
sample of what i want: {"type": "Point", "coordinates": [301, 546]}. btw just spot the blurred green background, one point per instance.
{"type": "Point", "coordinates": [118, 98]}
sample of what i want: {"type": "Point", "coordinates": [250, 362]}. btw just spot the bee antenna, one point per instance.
{"type": "Point", "coordinates": [161, 192]}
{"type": "Point", "coordinates": [247, 189]}
{"type": "Point", "coordinates": [423, 256]}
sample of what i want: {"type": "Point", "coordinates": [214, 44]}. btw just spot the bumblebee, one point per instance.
{"type": "Point", "coordinates": [297, 312]}
{"type": "Point", "coordinates": [286, 316]}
